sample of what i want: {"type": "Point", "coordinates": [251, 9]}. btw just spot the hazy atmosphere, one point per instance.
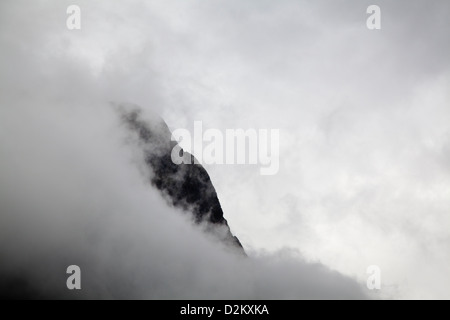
{"type": "Point", "coordinates": [364, 148]}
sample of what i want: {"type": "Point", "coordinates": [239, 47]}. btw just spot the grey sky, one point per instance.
{"type": "Point", "coordinates": [365, 137]}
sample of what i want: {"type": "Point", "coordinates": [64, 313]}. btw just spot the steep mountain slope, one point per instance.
{"type": "Point", "coordinates": [187, 186]}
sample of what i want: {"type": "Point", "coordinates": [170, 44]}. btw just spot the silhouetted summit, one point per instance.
{"type": "Point", "coordinates": [186, 186]}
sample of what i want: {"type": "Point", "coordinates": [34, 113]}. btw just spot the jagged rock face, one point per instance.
{"type": "Point", "coordinates": [187, 186]}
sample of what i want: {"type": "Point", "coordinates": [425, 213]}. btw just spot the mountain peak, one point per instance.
{"type": "Point", "coordinates": [185, 186]}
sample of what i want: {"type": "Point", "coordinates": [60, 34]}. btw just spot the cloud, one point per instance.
{"type": "Point", "coordinates": [362, 115]}
{"type": "Point", "coordinates": [72, 193]}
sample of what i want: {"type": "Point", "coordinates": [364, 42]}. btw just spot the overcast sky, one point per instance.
{"type": "Point", "coordinates": [363, 116]}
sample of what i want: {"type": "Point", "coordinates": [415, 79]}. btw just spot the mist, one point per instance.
{"type": "Point", "coordinates": [73, 193]}
{"type": "Point", "coordinates": [363, 173]}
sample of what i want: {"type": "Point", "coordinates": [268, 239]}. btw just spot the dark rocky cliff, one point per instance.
{"type": "Point", "coordinates": [186, 186]}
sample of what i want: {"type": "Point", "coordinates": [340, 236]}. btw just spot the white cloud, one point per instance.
{"type": "Point", "coordinates": [72, 194]}
{"type": "Point", "coordinates": [363, 114]}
